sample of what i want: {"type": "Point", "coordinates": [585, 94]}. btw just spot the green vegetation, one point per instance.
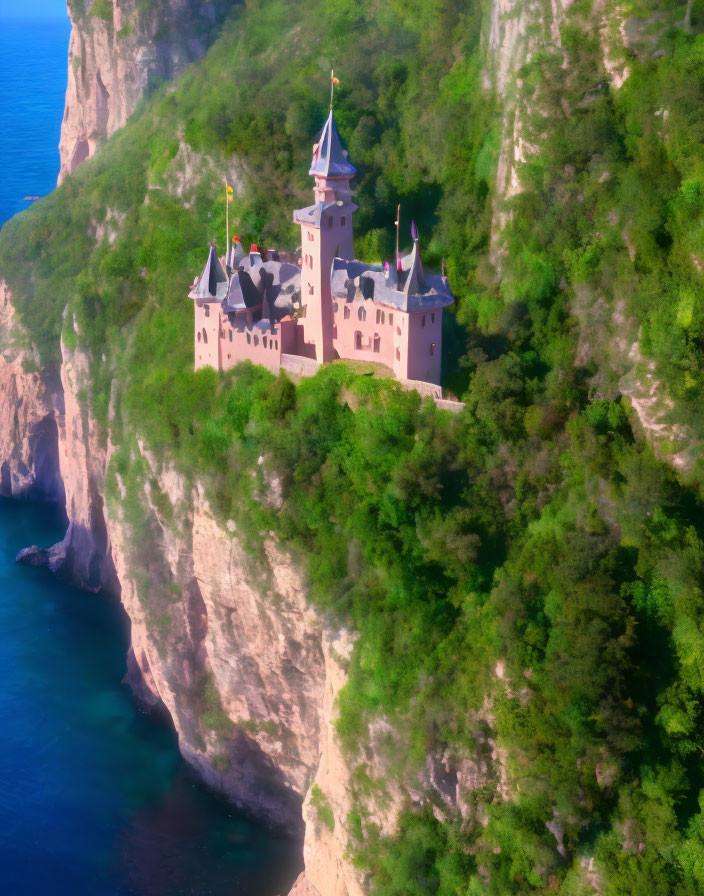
{"type": "Point", "coordinates": [321, 805]}
{"type": "Point", "coordinates": [526, 571]}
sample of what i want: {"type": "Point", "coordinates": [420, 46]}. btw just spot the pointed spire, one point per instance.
{"type": "Point", "coordinates": [414, 232]}
{"type": "Point", "coordinates": [415, 279]}
{"type": "Point", "coordinates": [329, 156]}
{"type": "Point", "coordinates": [212, 276]}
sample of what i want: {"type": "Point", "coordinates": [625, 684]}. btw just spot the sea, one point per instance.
{"type": "Point", "coordinates": [95, 799]}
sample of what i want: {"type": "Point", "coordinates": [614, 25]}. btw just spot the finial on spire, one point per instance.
{"type": "Point", "coordinates": [414, 232]}
{"type": "Point", "coordinates": [333, 83]}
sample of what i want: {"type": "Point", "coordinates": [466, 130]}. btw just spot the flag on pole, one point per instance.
{"type": "Point", "coordinates": [230, 192]}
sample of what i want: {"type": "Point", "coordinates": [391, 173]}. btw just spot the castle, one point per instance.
{"type": "Point", "coordinates": [300, 311]}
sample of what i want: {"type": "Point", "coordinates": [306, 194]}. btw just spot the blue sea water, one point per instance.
{"type": "Point", "coordinates": [95, 799]}
{"type": "Point", "coordinates": [33, 72]}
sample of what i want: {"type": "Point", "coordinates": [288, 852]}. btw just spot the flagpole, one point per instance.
{"type": "Point", "coordinates": [227, 218]}
{"type": "Point", "coordinates": [332, 85]}
{"type": "Point", "coordinates": [398, 225]}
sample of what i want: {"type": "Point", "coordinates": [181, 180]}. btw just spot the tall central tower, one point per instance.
{"type": "Point", "coordinates": [326, 232]}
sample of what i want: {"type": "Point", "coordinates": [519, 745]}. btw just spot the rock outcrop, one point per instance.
{"type": "Point", "coordinates": [118, 50]}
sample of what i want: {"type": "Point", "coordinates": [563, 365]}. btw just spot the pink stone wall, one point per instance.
{"type": "Point", "coordinates": [424, 336]}
{"type": "Point", "coordinates": [207, 327]}
{"type": "Point", "coordinates": [244, 342]}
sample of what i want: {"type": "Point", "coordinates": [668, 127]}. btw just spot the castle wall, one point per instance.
{"type": "Point", "coordinates": [424, 336]}
{"type": "Point", "coordinates": [207, 330]}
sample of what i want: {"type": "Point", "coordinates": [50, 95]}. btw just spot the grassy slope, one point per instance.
{"type": "Point", "coordinates": [532, 528]}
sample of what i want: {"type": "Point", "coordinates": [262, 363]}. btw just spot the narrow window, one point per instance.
{"type": "Point", "coordinates": [276, 346]}
{"type": "Point", "coordinates": [377, 343]}
{"type": "Point", "coordinates": [342, 221]}
{"type": "Point", "coordinates": [230, 335]}
{"type": "Point", "coordinates": [362, 314]}
{"type": "Point", "coordinates": [207, 310]}
{"type": "Point", "coordinates": [391, 320]}
{"type": "Point", "coordinates": [432, 348]}
{"type": "Point", "coordinates": [256, 340]}
{"type": "Point", "coordinates": [205, 336]}
{"type": "Point", "coordinates": [347, 312]}
{"type": "Point", "coordinates": [264, 341]}
{"type": "Point", "coordinates": [422, 321]}
{"type": "Point", "coordinates": [310, 289]}
{"type": "Point", "coordinates": [334, 307]}
{"type": "Point", "coordinates": [432, 318]}
{"type": "Point", "coordinates": [398, 331]}
{"type": "Point", "coordinates": [249, 339]}
{"type": "Point", "coordinates": [330, 221]}
{"type": "Point", "coordinates": [358, 340]}
{"type": "Point", "coordinates": [310, 235]}
{"type": "Point", "coordinates": [398, 354]}
{"type": "Point", "coordinates": [199, 337]}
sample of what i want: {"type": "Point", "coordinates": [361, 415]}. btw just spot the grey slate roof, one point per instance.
{"type": "Point", "coordinates": [312, 214]}
{"type": "Point", "coordinates": [330, 157]}
{"type": "Point", "coordinates": [410, 290]}
{"type": "Point", "coordinates": [256, 280]}
{"type": "Point", "coordinates": [212, 283]}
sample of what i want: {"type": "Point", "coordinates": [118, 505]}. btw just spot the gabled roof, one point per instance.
{"type": "Point", "coordinates": [212, 284]}
{"type": "Point", "coordinates": [329, 156]}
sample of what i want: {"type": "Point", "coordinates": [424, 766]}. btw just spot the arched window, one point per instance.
{"type": "Point", "coordinates": [256, 340]}
{"type": "Point", "coordinates": [377, 343]}
{"type": "Point", "coordinates": [422, 321]}
{"type": "Point", "coordinates": [379, 316]}
{"type": "Point", "coordinates": [249, 339]}
{"type": "Point", "coordinates": [207, 310]}
{"type": "Point", "coordinates": [398, 354]}
{"type": "Point", "coordinates": [264, 341]}
{"type": "Point", "coordinates": [200, 336]}
{"type": "Point", "coordinates": [347, 312]}
{"type": "Point", "coordinates": [358, 340]}
{"type": "Point", "coordinates": [205, 336]}
{"type": "Point", "coordinates": [432, 348]}
{"type": "Point", "coordinates": [362, 314]}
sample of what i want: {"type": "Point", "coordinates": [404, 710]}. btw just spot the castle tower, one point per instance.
{"type": "Point", "coordinates": [326, 232]}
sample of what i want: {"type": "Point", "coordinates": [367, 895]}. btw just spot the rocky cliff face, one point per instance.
{"type": "Point", "coordinates": [118, 50]}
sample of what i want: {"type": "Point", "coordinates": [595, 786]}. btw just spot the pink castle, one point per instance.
{"type": "Point", "coordinates": [320, 305]}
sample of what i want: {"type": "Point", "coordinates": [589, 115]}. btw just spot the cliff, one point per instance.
{"type": "Point", "coordinates": [120, 50]}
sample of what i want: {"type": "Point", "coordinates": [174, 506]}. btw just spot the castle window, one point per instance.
{"type": "Point", "coordinates": [358, 340]}
{"type": "Point", "coordinates": [379, 316]}
{"type": "Point", "coordinates": [264, 341]}
{"type": "Point", "coordinates": [207, 310]}
{"type": "Point", "coordinates": [346, 315]}
{"type": "Point", "coordinates": [377, 343]}
{"type": "Point", "coordinates": [330, 222]}
{"type": "Point", "coordinates": [276, 345]}
{"type": "Point", "coordinates": [391, 320]}
{"type": "Point", "coordinates": [256, 340]}
{"type": "Point", "coordinates": [398, 354]}
{"type": "Point", "coordinates": [432, 318]}
{"type": "Point", "coordinates": [342, 220]}
{"type": "Point", "coordinates": [334, 307]}
{"type": "Point", "coordinates": [199, 337]}
{"type": "Point", "coordinates": [205, 336]}
{"type": "Point", "coordinates": [310, 235]}
{"type": "Point", "coordinates": [398, 331]}
{"type": "Point", "coordinates": [230, 335]}
{"type": "Point", "coordinates": [310, 289]}
{"type": "Point", "coordinates": [422, 321]}
{"type": "Point", "coordinates": [362, 314]}
{"type": "Point", "coordinates": [432, 348]}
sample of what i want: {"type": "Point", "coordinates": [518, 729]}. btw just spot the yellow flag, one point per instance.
{"type": "Point", "coordinates": [335, 80]}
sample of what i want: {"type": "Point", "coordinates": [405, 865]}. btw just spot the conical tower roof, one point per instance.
{"type": "Point", "coordinates": [330, 157]}
{"type": "Point", "coordinates": [213, 281]}
{"type": "Point", "coordinates": [415, 279]}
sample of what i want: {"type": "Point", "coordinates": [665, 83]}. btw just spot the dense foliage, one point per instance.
{"type": "Point", "coordinates": [527, 571]}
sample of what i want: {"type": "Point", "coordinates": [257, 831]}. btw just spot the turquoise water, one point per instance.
{"type": "Point", "coordinates": [33, 70]}
{"type": "Point", "coordinates": [95, 799]}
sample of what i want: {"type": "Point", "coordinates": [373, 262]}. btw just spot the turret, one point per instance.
{"type": "Point", "coordinates": [326, 232]}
